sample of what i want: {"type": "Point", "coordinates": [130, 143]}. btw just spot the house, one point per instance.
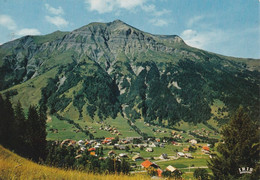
{"type": "Point", "coordinates": [78, 156]}
{"type": "Point", "coordinates": [92, 141]}
{"type": "Point", "coordinates": [137, 158]}
{"type": "Point", "coordinates": [193, 141]}
{"type": "Point", "coordinates": [121, 147]}
{"type": "Point", "coordinates": [162, 145]}
{"type": "Point", "coordinates": [212, 156]}
{"type": "Point", "coordinates": [132, 138]}
{"type": "Point", "coordinates": [109, 138]}
{"type": "Point", "coordinates": [68, 142]}
{"type": "Point", "coordinates": [109, 143]}
{"type": "Point", "coordinates": [92, 149]}
{"type": "Point", "coordinates": [82, 148]}
{"type": "Point", "coordinates": [101, 158]}
{"type": "Point", "coordinates": [105, 142]}
{"type": "Point", "coordinates": [149, 149]}
{"type": "Point", "coordinates": [80, 142]}
{"type": "Point", "coordinates": [142, 145]}
{"type": "Point", "coordinates": [174, 143]}
{"type": "Point", "coordinates": [154, 144]}
{"type": "Point", "coordinates": [188, 155]}
{"type": "Point", "coordinates": [185, 149]}
{"type": "Point", "coordinates": [159, 172]}
{"type": "Point", "coordinates": [205, 148]}
{"type": "Point", "coordinates": [126, 142]}
{"type": "Point", "coordinates": [111, 153]}
{"type": "Point", "coordinates": [171, 168]}
{"type": "Point", "coordinates": [123, 155]}
{"type": "Point", "coordinates": [181, 154]}
{"type": "Point", "coordinates": [174, 133]}
{"type": "Point", "coordinates": [146, 164]}
{"type": "Point", "coordinates": [164, 156]}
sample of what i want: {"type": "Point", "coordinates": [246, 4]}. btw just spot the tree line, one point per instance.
{"type": "Point", "coordinates": [239, 149]}
{"type": "Point", "coordinates": [70, 157]}
{"type": "Point", "coordinates": [25, 134]}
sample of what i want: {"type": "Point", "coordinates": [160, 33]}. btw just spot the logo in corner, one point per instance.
{"type": "Point", "coordinates": [245, 170]}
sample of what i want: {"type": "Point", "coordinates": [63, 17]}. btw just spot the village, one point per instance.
{"type": "Point", "coordinates": [183, 149]}
{"type": "Point", "coordinates": [153, 154]}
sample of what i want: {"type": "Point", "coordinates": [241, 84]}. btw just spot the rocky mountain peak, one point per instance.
{"type": "Point", "coordinates": [103, 69]}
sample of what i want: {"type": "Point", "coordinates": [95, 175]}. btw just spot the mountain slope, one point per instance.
{"type": "Point", "coordinates": [105, 69]}
{"type": "Point", "coordinates": [13, 166]}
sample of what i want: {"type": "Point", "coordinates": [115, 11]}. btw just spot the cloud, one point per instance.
{"type": "Point", "coordinates": [10, 24]}
{"type": "Point", "coordinates": [57, 18]}
{"type": "Point", "coordinates": [194, 20]}
{"type": "Point", "coordinates": [7, 22]}
{"type": "Point", "coordinates": [55, 11]}
{"type": "Point", "coordinates": [162, 12]}
{"type": "Point", "coordinates": [204, 39]}
{"type": "Point", "coordinates": [152, 9]}
{"type": "Point", "coordinates": [159, 22]}
{"type": "Point", "coordinates": [129, 4]}
{"type": "Point", "coordinates": [149, 8]}
{"type": "Point", "coordinates": [102, 6]}
{"type": "Point", "coordinates": [105, 6]}
{"type": "Point", "coordinates": [57, 21]}
{"type": "Point", "coordinates": [27, 31]}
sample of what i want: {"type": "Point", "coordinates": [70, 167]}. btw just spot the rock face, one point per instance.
{"type": "Point", "coordinates": [102, 67]}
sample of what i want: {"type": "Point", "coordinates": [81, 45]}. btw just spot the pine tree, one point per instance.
{"type": "Point", "coordinates": [2, 120]}
{"type": "Point", "coordinates": [42, 132]}
{"type": "Point", "coordinates": [31, 133]}
{"type": "Point", "coordinates": [201, 174]}
{"type": "Point", "coordinates": [125, 167]}
{"type": "Point", "coordinates": [7, 131]}
{"type": "Point", "coordinates": [36, 134]}
{"type": "Point", "coordinates": [20, 129]}
{"type": "Point", "coordinates": [240, 148]}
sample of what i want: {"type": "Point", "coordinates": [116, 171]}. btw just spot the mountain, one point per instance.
{"type": "Point", "coordinates": [103, 70]}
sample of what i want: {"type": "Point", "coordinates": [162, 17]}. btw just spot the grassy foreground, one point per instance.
{"type": "Point", "coordinates": [13, 166]}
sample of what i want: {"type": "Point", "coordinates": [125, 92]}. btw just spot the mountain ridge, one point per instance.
{"type": "Point", "coordinates": [104, 69]}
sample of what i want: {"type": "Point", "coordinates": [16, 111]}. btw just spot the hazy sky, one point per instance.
{"type": "Point", "coordinates": [229, 27]}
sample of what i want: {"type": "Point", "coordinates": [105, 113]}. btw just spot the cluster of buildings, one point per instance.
{"type": "Point", "coordinates": [176, 135]}
{"type": "Point", "coordinates": [148, 164]}
{"type": "Point", "coordinates": [147, 145]}
{"type": "Point", "coordinates": [203, 132]}
{"type": "Point", "coordinates": [112, 130]}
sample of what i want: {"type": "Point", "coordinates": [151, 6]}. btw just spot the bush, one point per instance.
{"type": "Point", "coordinates": [201, 174]}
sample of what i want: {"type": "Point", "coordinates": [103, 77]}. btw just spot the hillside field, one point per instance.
{"type": "Point", "coordinates": [13, 166]}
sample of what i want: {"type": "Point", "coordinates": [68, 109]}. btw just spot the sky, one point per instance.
{"type": "Point", "coordinates": [228, 27]}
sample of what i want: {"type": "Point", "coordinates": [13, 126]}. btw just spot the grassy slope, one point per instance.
{"type": "Point", "coordinates": [66, 130]}
{"type": "Point", "coordinates": [49, 37]}
{"type": "Point", "coordinates": [29, 92]}
{"type": "Point", "coordinates": [13, 166]}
